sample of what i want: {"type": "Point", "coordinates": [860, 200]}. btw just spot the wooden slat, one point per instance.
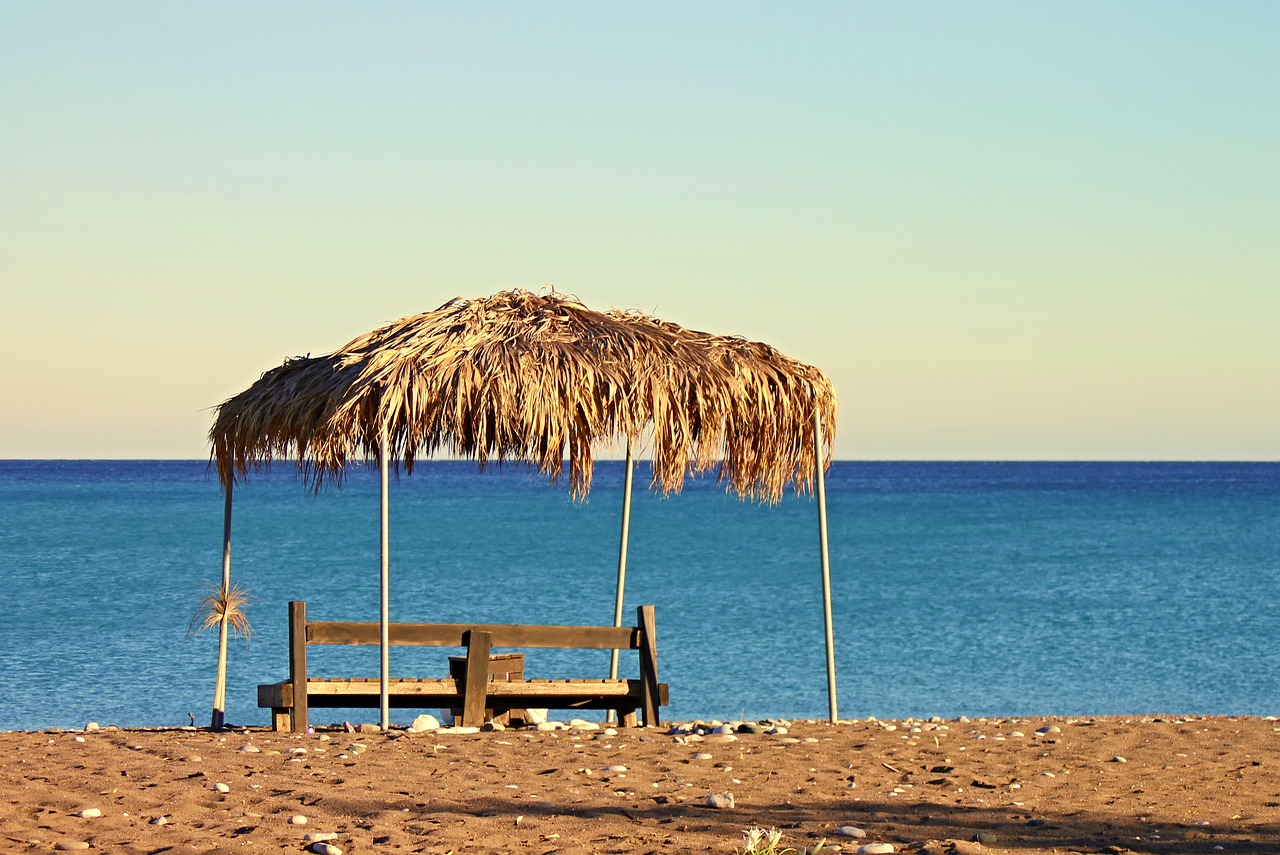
{"type": "Point", "coordinates": [477, 678]}
{"type": "Point", "coordinates": [298, 662]}
{"type": "Point", "coordinates": [422, 688]}
{"type": "Point", "coordinates": [451, 688]}
{"type": "Point", "coordinates": [453, 635]}
{"type": "Point", "coordinates": [548, 688]}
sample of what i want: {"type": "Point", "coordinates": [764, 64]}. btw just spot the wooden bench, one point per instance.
{"type": "Point", "coordinates": [290, 700]}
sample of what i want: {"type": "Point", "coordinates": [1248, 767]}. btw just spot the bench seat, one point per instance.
{"type": "Point", "coordinates": [412, 693]}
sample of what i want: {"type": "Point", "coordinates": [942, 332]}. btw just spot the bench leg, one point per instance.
{"type": "Point", "coordinates": [281, 718]}
{"type": "Point", "coordinates": [627, 718]}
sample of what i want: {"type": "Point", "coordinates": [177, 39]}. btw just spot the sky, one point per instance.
{"type": "Point", "coordinates": [1005, 230]}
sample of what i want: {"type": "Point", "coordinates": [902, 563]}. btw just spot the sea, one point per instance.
{"type": "Point", "coordinates": [958, 588]}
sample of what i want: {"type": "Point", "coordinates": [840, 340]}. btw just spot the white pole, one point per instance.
{"type": "Point", "coordinates": [821, 489]}
{"type": "Point", "coordinates": [220, 677]}
{"type": "Point", "coordinates": [622, 556]}
{"type": "Point", "coordinates": [385, 634]}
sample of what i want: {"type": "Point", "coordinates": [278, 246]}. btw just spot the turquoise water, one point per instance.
{"type": "Point", "coordinates": [959, 588]}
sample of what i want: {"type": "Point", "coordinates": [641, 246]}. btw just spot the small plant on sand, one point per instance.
{"type": "Point", "coordinates": [765, 841]}
{"type": "Point", "coordinates": [222, 607]}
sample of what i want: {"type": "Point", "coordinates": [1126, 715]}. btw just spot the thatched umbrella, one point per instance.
{"type": "Point", "coordinates": [538, 378]}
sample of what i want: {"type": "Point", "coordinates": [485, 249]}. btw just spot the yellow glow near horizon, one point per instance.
{"type": "Point", "coordinates": [1004, 232]}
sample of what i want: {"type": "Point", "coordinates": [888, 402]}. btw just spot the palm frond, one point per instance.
{"type": "Point", "coordinates": [220, 605]}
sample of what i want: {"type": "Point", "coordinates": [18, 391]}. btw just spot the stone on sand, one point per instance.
{"type": "Point", "coordinates": [424, 722]}
{"type": "Point", "coordinates": [876, 849]}
{"type": "Point", "coordinates": [720, 801]}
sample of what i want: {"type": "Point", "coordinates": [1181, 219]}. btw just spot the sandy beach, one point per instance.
{"type": "Point", "coordinates": [1060, 785]}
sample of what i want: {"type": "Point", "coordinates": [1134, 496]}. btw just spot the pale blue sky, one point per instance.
{"type": "Point", "coordinates": [1005, 230]}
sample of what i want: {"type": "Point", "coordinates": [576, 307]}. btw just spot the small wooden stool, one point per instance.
{"type": "Point", "coordinates": [503, 668]}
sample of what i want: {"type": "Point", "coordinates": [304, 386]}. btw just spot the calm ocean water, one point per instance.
{"type": "Point", "coordinates": [959, 588]}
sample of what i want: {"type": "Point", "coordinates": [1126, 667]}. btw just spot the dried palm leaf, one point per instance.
{"type": "Point", "coordinates": [537, 378]}
{"type": "Point", "coordinates": [223, 605]}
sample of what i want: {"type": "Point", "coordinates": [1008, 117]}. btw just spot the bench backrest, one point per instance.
{"type": "Point", "coordinates": [455, 634]}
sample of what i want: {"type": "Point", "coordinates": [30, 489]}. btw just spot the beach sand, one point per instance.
{"type": "Point", "coordinates": [1114, 785]}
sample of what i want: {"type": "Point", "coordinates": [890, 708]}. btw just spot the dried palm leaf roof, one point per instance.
{"type": "Point", "coordinates": [536, 378]}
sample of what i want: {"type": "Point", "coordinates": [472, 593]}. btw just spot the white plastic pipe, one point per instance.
{"type": "Point", "coordinates": [622, 557]}
{"type": "Point", "coordinates": [384, 638]}
{"type": "Point", "coordinates": [820, 487]}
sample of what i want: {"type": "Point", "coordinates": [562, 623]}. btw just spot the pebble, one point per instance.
{"type": "Point", "coordinates": [614, 769]}
{"type": "Point", "coordinates": [70, 845]}
{"type": "Point", "coordinates": [582, 724]}
{"type": "Point", "coordinates": [458, 729]}
{"type": "Point", "coordinates": [325, 849]}
{"type": "Point", "coordinates": [702, 755]}
{"type": "Point", "coordinates": [250, 749]}
{"type": "Point", "coordinates": [1118, 759]}
{"type": "Point", "coordinates": [320, 836]}
{"type": "Point", "coordinates": [297, 819]}
{"type": "Point", "coordinates": [424, 722]}
{"type": "Point", "coordinates": [222, 788]}
{"type": "Point", "coordinates": [1049, 728]}
{"type": "Point", "coordinates": [357, 748]}
{"type": "Point", "coordinates": [160, 820]}
{"type": "Point", "coordinates": [90, 813]}
{"type": "Point", "coordinates": [965, 847]}
{"type": "Point", "coordinates": [985, 838]}
{"type": "Point", "coordinates": [876, 849]}
{"type": "Point", "coordinates": [850, 831]}
{"type": "Point", "coordinates": [720, 801]}
{"type": "Point", "coordinates": [93, 725]}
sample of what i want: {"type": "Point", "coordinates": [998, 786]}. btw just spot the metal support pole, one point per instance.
{"type": "Point", "coordinates": [820, 488]}
{"type": "Point", "coordinates": [384, 638]}
{"type": "Point", "coordinates": [622, 556]}
{"type": "Point", "coordinates": [220, 689]}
